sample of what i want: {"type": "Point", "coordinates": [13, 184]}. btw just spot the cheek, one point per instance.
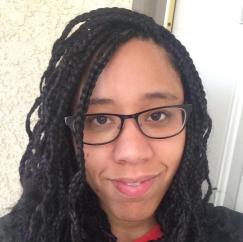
{"type": "Point", "coordinates": [95, 166]}
{"type": "Point", "coordinates": [171, 151]}
{"type": "Point", "coordinates": [90, 168]}
{"type": "Point", "coordinates": [86, 154]}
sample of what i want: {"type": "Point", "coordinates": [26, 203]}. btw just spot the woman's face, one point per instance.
{"type": "Point", "coordinates": [138, 77]}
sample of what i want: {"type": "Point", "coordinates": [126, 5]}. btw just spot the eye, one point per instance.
{"type": "Point", "coordinates": [99, 120]}
{"type": "Point", "coordinates": [157, 116]}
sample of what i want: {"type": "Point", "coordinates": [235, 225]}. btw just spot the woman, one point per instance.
{"type": "Point", "coordinates": [119, 150]}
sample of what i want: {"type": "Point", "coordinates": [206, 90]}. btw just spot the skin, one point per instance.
{"type": "Point", "coordinates": [138, 68]}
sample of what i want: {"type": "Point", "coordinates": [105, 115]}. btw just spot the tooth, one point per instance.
{"type": "Point", "coordinates": [133, 184]}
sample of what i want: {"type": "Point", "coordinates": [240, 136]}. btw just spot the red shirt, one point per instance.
{"type": "Point", "coordinates": [152, 234]}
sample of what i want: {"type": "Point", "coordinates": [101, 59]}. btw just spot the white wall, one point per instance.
{"type": "Point", "coordinates": [212, 33]}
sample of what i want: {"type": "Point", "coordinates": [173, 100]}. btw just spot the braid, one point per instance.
{"type": "Point", "coordinates": [100, 62]}
{"type": "Point", "coordinates": [63, 207]}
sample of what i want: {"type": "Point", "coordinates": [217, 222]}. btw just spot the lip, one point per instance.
{"type": "Point", "coordinates": [134, 187]}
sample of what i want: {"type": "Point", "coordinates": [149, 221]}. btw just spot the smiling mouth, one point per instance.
{"type": "Point", "coordinates": [134, 187]}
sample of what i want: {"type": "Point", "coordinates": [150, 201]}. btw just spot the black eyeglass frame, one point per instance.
{"type": "Point", "coordinates": [69, 121]}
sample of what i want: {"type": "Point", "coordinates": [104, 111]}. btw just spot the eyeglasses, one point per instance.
{"type": "Point", "coordinates": [156, 123]}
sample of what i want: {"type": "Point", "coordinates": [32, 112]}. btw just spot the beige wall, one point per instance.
{"type": "Point", "coordinates": [27, 32]}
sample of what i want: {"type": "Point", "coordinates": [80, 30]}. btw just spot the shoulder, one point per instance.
{"type": "Point", "coordinates": [9, 231]}
{"type": "Point", "coordinates": [223, 224]}
{"type": "Point", "coordinates": [4, 224]}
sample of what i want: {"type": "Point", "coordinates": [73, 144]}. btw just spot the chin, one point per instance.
{"type": "Point", "coordinates": [133, 213]}
{"type": "Point", "coordinates": [134, 217]}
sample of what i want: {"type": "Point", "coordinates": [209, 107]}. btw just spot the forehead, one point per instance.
{"type": "Point", "coordinates": [138, 74]}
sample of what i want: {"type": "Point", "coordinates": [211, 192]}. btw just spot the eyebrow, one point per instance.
{"type": "Point", "coordinates": [160, 95]}
{"type": "Point", "coordinates": [100, 101]}
{"type": "Point", "coordinates": [147, 96]}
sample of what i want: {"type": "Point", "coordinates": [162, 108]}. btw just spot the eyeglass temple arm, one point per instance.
{"type": "Point", "coordinates": [69, 121]}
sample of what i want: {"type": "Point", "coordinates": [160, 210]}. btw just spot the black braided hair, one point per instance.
{"type": "Point", "coordinates": [57, 204]}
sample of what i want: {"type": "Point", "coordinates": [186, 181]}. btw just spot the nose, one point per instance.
{"type": "Point", "coordinates": [132, 146]}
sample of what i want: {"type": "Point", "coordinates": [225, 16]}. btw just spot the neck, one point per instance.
{"type": "Point", "coordinates": [128, 231]}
